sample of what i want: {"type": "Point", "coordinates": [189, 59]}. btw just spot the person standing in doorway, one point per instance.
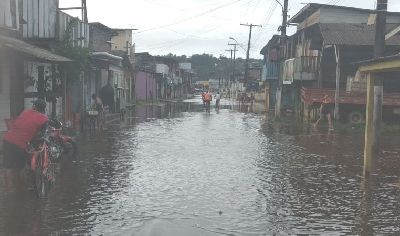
{"type": "Point", "coordinates": [325, 110]}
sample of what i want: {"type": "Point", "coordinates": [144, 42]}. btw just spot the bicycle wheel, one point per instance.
{"type": "Point", "coordinates": [40, 181]}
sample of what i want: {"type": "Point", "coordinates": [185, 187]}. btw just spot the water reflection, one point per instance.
{"type": "Point", "coordinates": [173, 166]}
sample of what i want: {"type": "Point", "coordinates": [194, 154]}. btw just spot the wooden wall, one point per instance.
{"type": "Point", "coordinates": [44, 21]}
{"type": "Point", "coordinates": [9, 17]}
{"type": "Point", "coordinates": [79, 32]}
{"type": "Point", "coordinates": [41, 18]}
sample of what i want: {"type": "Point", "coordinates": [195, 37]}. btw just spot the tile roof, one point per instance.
{"type": "Point", "coordinates": [352, 34]}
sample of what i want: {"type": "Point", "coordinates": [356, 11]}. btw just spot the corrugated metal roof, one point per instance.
{"type": "Point", "coordinates": [31, 50]}
{"type": "Point", "coordinates": [352, 34]}
{"type": "Point", "coordinates": [273, 42]}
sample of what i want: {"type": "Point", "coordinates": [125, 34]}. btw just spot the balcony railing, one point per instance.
{"type": "Point", "coordinates": [308, 64]}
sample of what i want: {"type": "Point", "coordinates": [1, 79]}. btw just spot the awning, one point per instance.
{"type": "Point", "coordinates": [31, 50]}
{"type": "Point", "coordinates": [106, 55]}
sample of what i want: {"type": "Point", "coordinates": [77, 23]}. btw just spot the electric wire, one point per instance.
{"type": "Point", "coordinates": [191, 17]}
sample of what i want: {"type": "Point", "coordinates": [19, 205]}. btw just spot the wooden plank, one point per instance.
{"type": "Point", "coordinates": [46, 19]}
{"type": "Point", "coordinates": [337, 91]}
{"type": "Point", "coordinates": [52, 21]}
{"type": "Point", "coordinates": [30, 18]}
{"type": "Point", "coordinates": [25, 18]}
{"type": "Point", "coordinates": [7, 15]}
{"type": "Point", "coordinates": [392, 33]}
{"type": "Point", "coordinates": [381, 66]}
{"type": "Point", "coordinates": [2, 13]}
{"type": "Point", "coordinates": [17, 16]}
{"type": "Point", "coordinates": [41, 15]}
{"type": "Point", "coordinates": [35, 18]}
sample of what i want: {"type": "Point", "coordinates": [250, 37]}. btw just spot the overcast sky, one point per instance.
{"type": "Point", "coordinates": [199, 26]}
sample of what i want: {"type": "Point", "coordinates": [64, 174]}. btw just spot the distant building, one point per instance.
{"type": "Point", "coordinates": [122, 42]}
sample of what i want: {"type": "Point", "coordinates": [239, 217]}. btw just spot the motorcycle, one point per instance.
{"type": "Point", "coordinates": [60, 145]}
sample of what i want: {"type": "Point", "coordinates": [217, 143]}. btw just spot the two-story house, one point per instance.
{"type": "Point", "coordinates": [26, 70]}
{"type": "Point", "coordinates": [46, 26]}
{"type": "Point", "coordinates": [320, 57]}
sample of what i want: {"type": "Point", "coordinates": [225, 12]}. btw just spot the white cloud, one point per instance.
{"type": "Point", "coordinates": [197, 26]}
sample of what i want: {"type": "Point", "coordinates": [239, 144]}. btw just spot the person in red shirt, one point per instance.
{"type": "Point", "coordinates": [25, 127]}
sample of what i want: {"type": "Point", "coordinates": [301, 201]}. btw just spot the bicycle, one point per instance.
{"type": "Point", "coordinates": [42, 169]}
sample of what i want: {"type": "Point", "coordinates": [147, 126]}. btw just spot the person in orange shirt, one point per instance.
{"type": "Point", "coordinates": [208, 99]}
{"type": "Point", "coordinates": [203, 98]}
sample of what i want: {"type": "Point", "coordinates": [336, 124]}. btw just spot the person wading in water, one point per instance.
{"type": "Point", "coordinates": [325, 110]}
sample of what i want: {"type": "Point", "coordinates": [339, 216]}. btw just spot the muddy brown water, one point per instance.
{"type": "Point", "coordinates": [177, 170]}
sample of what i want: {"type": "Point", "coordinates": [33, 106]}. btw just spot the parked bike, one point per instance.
{"type": "Point", "coordinates": [42, 167]}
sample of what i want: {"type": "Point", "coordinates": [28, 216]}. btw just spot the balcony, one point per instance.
{"type": "Point", "coordinates": [45, 21]}
{"type": "Point", "coordinates": [270, 71]}
{"type": "Point", "coordinates": [301, 69]}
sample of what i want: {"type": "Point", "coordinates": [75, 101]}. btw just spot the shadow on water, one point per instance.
{"type": "Point", "coordinates": [176, 169]}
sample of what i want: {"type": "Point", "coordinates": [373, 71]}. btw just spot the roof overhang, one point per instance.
{"type": "Point", "coordinates": [105, 56]}
{"type": "Point", "coordinates": [383, 64]}
{"type": "Point", "coordinates": [31, 50]}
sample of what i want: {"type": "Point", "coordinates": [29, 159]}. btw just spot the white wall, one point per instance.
{"type": "Point", "coordinates": [162, 69]}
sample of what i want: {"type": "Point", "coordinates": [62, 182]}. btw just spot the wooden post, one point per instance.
{"type": "Point", "coordinates": [53, 92]}
{"type": "Point", "coordinates": [375, 93]}
{"type": "Point", "coordinates": [369, 129]}
{"type": "Point", "coordinates": [378, 102]}
{"type": "Point", "coordinates": [337, 91]}
{"type": "Point", "coordinates": [267, 97]}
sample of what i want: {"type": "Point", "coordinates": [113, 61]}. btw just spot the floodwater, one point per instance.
{"type": "Point", "coordinates": [176, 170]}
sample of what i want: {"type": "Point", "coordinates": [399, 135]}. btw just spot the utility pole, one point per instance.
{"type": "Point", "coordinates": [246, 68]}
{"type": "Point", "coordinates": [231, 51]}
{"type": "Point", "coordinates": [278, 107]}
{"type": "Point", "coordinates": [233, 60]}
{"type": "Point", "coordinates": [379, 51]}
{"type": "Point", "coordinates": [375, 91]}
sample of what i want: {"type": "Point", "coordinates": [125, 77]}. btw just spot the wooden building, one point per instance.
{"type": "Point", "coordinates": [27, 71]}
{"type": "Point", "coordinates": [320, 57]}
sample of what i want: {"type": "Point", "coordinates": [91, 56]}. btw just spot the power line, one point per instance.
{"type": "Point", "coordinates": [270, 12]}
{"type": "Point", "coordinates": [192, 17]}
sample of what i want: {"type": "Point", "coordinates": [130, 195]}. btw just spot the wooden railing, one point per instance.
{"type": "Point", "coordinates": [306, 64]}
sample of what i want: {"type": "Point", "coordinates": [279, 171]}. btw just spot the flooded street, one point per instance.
{"type": "Point", "coordinates": [176, 169]}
